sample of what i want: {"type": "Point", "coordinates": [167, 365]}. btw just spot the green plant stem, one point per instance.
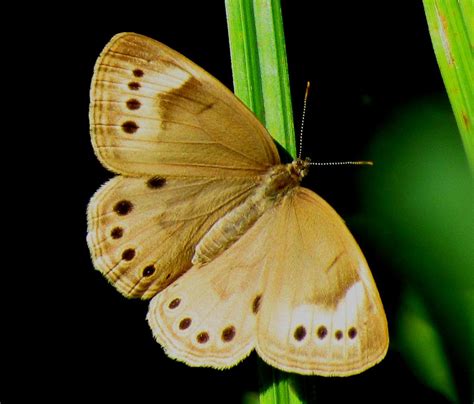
{"type": "Point", "coordinates": [259, 65]}
{"type": "Point", "coordinates": [261, 81]}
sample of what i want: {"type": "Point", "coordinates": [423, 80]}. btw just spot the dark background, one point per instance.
{"type": "Point", "coordinates": [364, 61]}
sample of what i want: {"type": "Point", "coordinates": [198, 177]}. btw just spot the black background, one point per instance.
{"type": "Point", "coordinates": [90, 343]}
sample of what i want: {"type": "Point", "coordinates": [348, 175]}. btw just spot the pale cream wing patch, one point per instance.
{"type": "Point", "coordinates": [320, 311]}
{"type": "Point", "coordinates": [154, 112]}
{"type": "Point", "coordinates": [142, 231]}
{"type": "Point", "coordinates": [208, 316]}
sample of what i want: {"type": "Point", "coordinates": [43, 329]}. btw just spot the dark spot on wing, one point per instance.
{"type": "Point", "coordinates": [352, 332]}
{"type": "Point", "coordinates": [156, 182]}
{"type": "Point", "coordinates": [129, 127]}
{"type": "Point", "coordinates": [228, 333]}
{"type": "Point", "coordinates": [300, 333]}
{"type": "Point", "coordinates": [322, 332]}
{"type": "Point", "coordinates": [117, 232]}
{"type": "Point", "coordinates": [174, 303]}
{"type": "Point", "coordinates": [149, 270]}
{"type": "Point", "coordinates": [128, 254]}
{"type": "Point", "coordinates": [256, 304]}
{"type": "Point", "coordinates": [185, 323]}
{"type": "Point", "coordinates": [123, 208]}
{"type": "Point", "coordinates": [133, 85]}
{"type": "Point", "coordinates": [133, 104]}
{"type": "Point", "coordinates": [202, 337]}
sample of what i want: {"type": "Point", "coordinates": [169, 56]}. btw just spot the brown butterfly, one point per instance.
{"type": "Point", "coordinates": [204, 219]}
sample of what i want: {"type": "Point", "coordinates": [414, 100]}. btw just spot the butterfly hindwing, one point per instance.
{"type": "Point", "coordinates": [142, 231]}
{"type": "Point", "coordinates": [208, 316]}
{"type": "Point", "coordinates": [321, 312]}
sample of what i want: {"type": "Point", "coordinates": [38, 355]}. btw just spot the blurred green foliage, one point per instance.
{"type": "Point", "coordinates": [422, 345]}
{"type": "Point", "coordinates": [421, 198]}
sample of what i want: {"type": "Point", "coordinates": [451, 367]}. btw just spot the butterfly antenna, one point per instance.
{"type": "Point", "coordinates": [342, 163]}
{"type": "Point", "coordinates": [329, 163]}
{"type": "Point", "coordinates": [302, 119]}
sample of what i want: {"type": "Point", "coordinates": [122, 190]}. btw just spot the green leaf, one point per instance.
{"type": "Point", "coordinates": [451, 26]}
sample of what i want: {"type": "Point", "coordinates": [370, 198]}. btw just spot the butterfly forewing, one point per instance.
{"type": "Point", "coordinates": [153, 111]}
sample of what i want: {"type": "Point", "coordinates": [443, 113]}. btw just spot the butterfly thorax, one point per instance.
{"type": "Point", "coordinates": [282, 178]}
{"type": "Point", "coordinates": [268, 192]}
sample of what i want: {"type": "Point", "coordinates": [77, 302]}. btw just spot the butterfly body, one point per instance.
{"type": "Point", "coordinates": [274, 185]}
{"type": "Point", "coordinates": [205, 220]}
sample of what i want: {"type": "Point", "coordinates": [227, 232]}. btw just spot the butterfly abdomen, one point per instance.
{"type": "Point", "coordinates": [276, 183]}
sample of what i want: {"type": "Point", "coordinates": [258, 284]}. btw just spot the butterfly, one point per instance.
{"type": "Point", "coordinates": [205, 220]}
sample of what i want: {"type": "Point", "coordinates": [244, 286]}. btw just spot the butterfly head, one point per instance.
{"type": "Point", "coordinates": [299, 168]}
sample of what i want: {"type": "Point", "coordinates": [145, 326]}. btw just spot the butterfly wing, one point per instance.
{"type": "Point", "coordinates": [208, 316]}
{"type": "Point", "coordinates": [154, 112]}
{"type": "Point", "coordinates": [321, 312]}
{"type": "Point", "coordinates": [295, 286]}
{"type": "Point", "coordinates": [142, 231]}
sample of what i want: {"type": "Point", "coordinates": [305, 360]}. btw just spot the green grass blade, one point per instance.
{"type": "Point", "coordinates": [451, 26]}
{"type": "Point", "coordinates": [244, 55]}
{"type": "Point", "coordinates": [259, 65]}
{"type": "Point", "coordinates": [274, 73]}
{"type": "Point", "coordinates": [261, 81]}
